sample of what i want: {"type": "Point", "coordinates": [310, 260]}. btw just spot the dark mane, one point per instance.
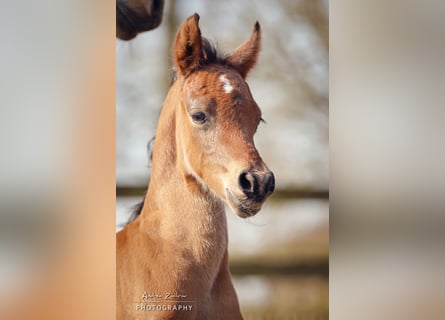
{"type": "Point", "coordinates": [209, 55]}
{"type": "Point", "coordinates": [136, 209]}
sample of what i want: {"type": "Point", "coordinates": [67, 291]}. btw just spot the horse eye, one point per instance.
{"type": "Point", "coordinates": [199, 117]}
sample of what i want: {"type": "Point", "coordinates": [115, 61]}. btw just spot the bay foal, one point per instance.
{"type": "Point", "coordinates": [203, 156]}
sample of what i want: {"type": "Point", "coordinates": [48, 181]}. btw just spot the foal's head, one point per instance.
{"type": "Point", "coordinates": [217, 119]}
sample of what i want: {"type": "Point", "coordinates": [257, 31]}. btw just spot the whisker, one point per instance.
{"type": "Point", "coordinates": [251, 222]}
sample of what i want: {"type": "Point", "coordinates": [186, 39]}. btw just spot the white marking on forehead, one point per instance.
{"type": "Point", "coordinates": [227, 85]}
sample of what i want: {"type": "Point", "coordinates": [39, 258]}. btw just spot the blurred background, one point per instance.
{"type": "Point", "coordinates": [57, 142]}
{"type": "Point", "coordinates": [279, 258]}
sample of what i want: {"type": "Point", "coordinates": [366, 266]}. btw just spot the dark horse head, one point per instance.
{"type": "Point", "coordinates": [135, 16]}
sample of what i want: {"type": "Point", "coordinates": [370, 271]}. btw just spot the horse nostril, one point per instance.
{"type": "Point", "coordinates": [257, 186]}
{"type": "Point", "coordinates": [247, 182]}
{"type": "Point", "coordinates": [269, 188]}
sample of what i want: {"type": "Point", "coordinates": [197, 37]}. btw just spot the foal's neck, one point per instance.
{"type": "Point", "coordinates": [177, 207]}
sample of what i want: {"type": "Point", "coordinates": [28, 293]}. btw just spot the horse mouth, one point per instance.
{"type": "Point", "coordinates": [244, 208]}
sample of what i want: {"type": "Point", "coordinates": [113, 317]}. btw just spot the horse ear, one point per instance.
{"type": "Point", "coordinates": [187, 47]}
{"type": "Point", "coordinates": [245, 56]}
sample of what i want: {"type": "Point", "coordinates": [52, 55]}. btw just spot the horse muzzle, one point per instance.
{"type": "Point", "coordinates": [254, 189]}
